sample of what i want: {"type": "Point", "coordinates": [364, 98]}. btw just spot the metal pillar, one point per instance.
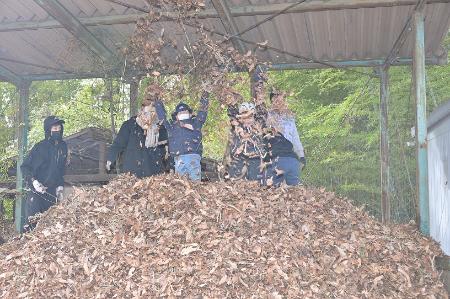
{"type": "Point", "coordinates": [421, 121]}
{"type": "Point", "coordinates": [384, 145]}
{"type": "Point", "coordinates": [22, 143]}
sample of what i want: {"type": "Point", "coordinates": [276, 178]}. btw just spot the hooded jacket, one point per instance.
{"type": "Point", "coordinates": [47, 159]}
{"type": "Point", "coordinates": [138, 159]}
{"type": "Point", "coordinates": [185, 137]}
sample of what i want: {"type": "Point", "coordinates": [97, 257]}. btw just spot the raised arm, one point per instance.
{"type": "Point", "coordinates": [162, 115]}
{"type": "Point", "coordinates": [203, 112]}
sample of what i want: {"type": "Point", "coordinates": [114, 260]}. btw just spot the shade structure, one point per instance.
{"type": "Point", "coordinates": [63, 39]}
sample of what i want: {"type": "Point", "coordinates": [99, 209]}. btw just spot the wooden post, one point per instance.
{"type": "Point", "coordinates": [134, 92]}
{"type": "Point", "coordinates": [102, 158]}
{"type": "Point", "coordinates": [384, 145]}
{"type": "Point", "coordinates": [22, 144]}
{"type": "Point", "coordinates": [421, 120]}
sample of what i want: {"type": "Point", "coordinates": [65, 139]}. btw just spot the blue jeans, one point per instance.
{"type": "Point", "coordinates": [252, 165]}
{"type": "Point", "coordinates": [189, 164]}
{"type": "Point", "coordinates": [288, 171]}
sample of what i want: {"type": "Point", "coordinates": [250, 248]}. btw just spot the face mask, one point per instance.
{"type": "Point", "coordinates": [56, 135]}
{"type": "Point", "coordinates": [183, 116]}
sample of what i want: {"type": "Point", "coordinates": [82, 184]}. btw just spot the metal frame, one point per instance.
{"type": "Point", "coordinates": [74, 26]}
{"type": "Point", "coordinates": [9, 75]}
{"type": "Point", "coordinates": [253, 10]}
{"type": "Point", "coordinates": [22, 143]}
{"type": "Point", "coordinates": [229, 24]}
{"type": "Point", "coordinates": [384, 145]}
{"type": "Point", "coordinates": [78, 27]}
{"type": "Point", "coordinates": [419, 73]}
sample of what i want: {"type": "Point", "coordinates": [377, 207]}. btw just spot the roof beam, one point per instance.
{"type": "Point", "coordinates": [10, 76]}
{"type": "Point", "coordinates": [275, 67]}
{"type": "Point", "coordinates": [229, 24]}
{"type": "Point", "coordinates": [74, 26]}
{"type": "Point", "coordinates": [403, 35]}
{"type": "Point", "coordinates": [255, 10]}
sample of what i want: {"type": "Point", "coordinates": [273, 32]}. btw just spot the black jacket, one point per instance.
{"type": "Point", "coordinates": [278, 146]}
{"type": "Point", "coordinates": [185, 137]}
{"type": "Point", "coordinates": [138, 159]}
{"type": "Point", "coordinates": [46, 161]}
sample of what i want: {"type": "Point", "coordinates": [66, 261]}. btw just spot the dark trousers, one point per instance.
{"type": "Point", "coordinates": [284, 169]}
{"type": "Point", "coordinates": [36, 203]}
{"type": "Point", "coordinates": [245, 168]}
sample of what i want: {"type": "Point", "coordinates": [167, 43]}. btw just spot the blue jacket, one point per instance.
{"type": "Point", "coordinates": [185, 137]}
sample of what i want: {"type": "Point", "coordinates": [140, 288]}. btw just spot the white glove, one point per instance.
{"type": "Point", "coordinates": [60, 193]}
{"type": "Point", "coordinates": [39, 187]}
{"type": "Point", "coordinates": [108, 165]}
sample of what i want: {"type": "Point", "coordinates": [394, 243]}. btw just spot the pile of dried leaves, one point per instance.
{"type": "Point", "coordinates": [168, 237]}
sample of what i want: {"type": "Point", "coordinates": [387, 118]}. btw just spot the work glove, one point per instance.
{"type": "Point", "coordinates": [303, 162]}
{"type": "Point", "coordinates": [108, 165]}
{"type": "Point", "coordinates": [60, 193]}
{"type": "Point", "coordinates": [39, 187]}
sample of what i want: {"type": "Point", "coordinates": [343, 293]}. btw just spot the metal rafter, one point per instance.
{"type": "Point", "coordinates": [10, 75]}
{"type": "Point", "coordinates": [74, 26]}
{"type": "Point", "coordinates": [258, 10]}
{"type": "Point", "coordinates": [420, 4]}
{"type": "Point", "coordinates": [229, 24]}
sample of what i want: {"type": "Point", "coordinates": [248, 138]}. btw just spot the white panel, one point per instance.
{"type": "Point", "coordinates": [439, 183]}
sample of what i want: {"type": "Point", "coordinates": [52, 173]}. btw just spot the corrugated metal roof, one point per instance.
{"type": "Point", "coordinates": [334, 35]}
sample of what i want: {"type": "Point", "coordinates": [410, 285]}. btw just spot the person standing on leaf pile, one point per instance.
{"type": "Point", "coordinates": [185, 136]}
{"type": "Point", "coordinates": [282, 164]}
{"type": "Point", "coordinates": [246, 147]}
{"type": "Point", "coordinates": [142, 140]}
{"type": "Point", "coordinates": [281, 118]}
{"type": "Point", "coordinates": [43, 170]}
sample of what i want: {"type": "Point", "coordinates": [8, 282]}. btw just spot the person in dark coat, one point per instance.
{"type": "Point", "coordinates": [246, 137]}
{"type": "Point", "coordinates": [185, 136]}
{"type": "Point", "coordinates": [43, 170]}
{"type": "Point", "coordinates": [282, 162]}
{"type": "Point", "coordinates": [142, 140]}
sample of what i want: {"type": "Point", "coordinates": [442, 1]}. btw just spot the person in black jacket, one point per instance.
{"type": "Point", "coordinates": [281, 160]}
{"type": "Point", "coordinates": [142, 140]}
{"type": "Point", "coordinates": [43, 169]}
{"type": "Point", "coordinates": [185, 136]}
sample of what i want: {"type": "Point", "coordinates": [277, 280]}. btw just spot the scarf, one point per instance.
{"type": "Point", "coordinates": [148, 121]}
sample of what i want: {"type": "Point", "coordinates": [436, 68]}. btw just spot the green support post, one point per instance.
{"type": "Point", "coordinates": [384, 145]}
{"type": "Point", "coordinates": [421, 121]}
{"type": "Point", "coordinates": [22, 143]}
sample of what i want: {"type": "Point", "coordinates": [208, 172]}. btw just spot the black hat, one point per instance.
{"type": "Point", "coordinates": [180, 108]}
{"type": "Point", "coordinates": [183, 107]}
{"type": "Point", "coordinates": [51, 121]}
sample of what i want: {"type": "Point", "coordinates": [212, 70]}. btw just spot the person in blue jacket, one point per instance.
{"type": "Point", "coordinates": [281, 160]}
{"type": "Point", "coordinates": [185, 136]}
